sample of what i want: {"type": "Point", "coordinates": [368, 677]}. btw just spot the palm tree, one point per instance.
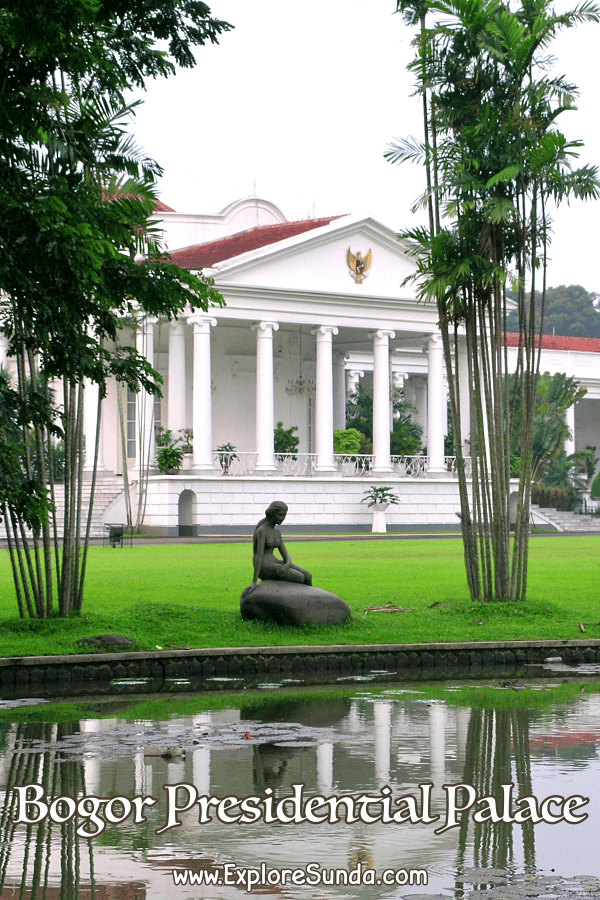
{"type": "Point", "coordinates": [494, 159]}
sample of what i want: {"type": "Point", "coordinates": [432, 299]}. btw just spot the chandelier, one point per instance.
{"type": "Point", "coordinates": [301, 386]}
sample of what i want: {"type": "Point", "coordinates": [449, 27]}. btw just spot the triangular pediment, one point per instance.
{"type": "Point", "coordinates": [317, 262]}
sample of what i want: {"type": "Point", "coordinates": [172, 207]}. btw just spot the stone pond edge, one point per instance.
{"type": "Point", "coordinates": [296, 661]}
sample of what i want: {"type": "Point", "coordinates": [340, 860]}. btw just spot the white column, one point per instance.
{"type": "Point", "coordinates": [398, 379]}
{"type": "Point", "coordinates": [325, 767]}
{"type": "Point", "coordinates": [417, 394]}
{"type": "Point", "coordinates": [176, 390]}
{"type": "Point", "coordinates": [383, 741]}
{"type": "Point", "coordinates": [3, 347]}
{"type": "Point", "coordinates": [437, 747]}
{"type": "Point", "coordinates": [353, 377]}
{"type": "Point", "coordinates": [201, 770]}
{"type": "Point", "coordinates": [202, 460]}
{"type": "Point", "coordinates": [145, 444]}
{"type": "Point", "coordinates": [569, 444]}
{"type": "Point", "coordinates": [324, 398]}
{"type": "Point", "coordinates": [201, 757]}
{"type": "Point", "coordinates": [339, 392]}
{"type": "Point", "coordinates": [90, 415]}
{"type": "Point", "coordinates": [465, 399]}
{"type": "Point", "coordinates": [265, 404]}
{"type": "Point", "coordinates": [436, 405]}
{"type": "Point", "coordinates": [381, 400]}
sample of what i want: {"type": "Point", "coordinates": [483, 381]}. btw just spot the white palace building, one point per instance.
{"type": "Point", "coordinates": [298, 331]}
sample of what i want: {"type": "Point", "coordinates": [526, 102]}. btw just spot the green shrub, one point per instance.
{"type": "Point", "coordinates": [405, 439]}
{"type": "Point", "coordinates": [284, 439]}
{"type": "Point", "coordinates": [595, 489]}
{"type": "Point", "coordinates": [168, 458]}
{"type": "Point", "coordinates": [346, 442]}
{"type": "Point", "coordinates": [552, 498]}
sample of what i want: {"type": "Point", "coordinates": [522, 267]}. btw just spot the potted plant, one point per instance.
{"type": "Point", "coordinates": [378, 499]}
{"type": "Point", "coordinates": [187, 436]}
{"type": "Point", "coordinates": [168, 456]}
{"type": "Point", "coordinates": [226, 455]}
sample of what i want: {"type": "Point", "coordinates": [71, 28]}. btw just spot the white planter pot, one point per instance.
{"type": "Point", "coordinates": [379, 526]}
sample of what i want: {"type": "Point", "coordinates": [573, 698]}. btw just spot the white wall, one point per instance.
{"type": "Point", "coordinates": [228, 501]}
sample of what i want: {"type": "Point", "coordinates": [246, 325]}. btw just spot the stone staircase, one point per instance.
{"type": "Point", "coordinates": [567, 521]}
{"type": "Point", "coordinates": [108, 488]}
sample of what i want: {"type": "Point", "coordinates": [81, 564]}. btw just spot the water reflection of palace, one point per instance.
{"type": "Point", "coordinates": [363, 744]}
{"type": "Point", "coordinates": [128, 891]}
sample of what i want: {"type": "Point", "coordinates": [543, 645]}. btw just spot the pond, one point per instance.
{"type": "Point", "coordinates": [398, 745]}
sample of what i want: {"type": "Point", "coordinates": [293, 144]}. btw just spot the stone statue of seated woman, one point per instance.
{"type": "Point", "coordinates": [268, 538]}
{"type": "Point", "coordinates": [285, 595]}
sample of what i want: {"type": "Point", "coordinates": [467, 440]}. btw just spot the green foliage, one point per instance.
{"type": "Point", "coordinates": [554, 395]}
{"type": "Point", "coordinates": [76, 203]}
{"type": "Point", "coordinates": [495, 163]}
{"type": "Point", "coordinates": [552, 497]}
{"type": "Point", "coordinates": [284, 439]}
{"type": "Point", "coordinates": [168, 458]}
{"type": "Point", "coordinates": [405, 439]}
{"type": "Point", "coordinates": [22, 496]}
{"type": "Point", "coordinates": [595, 489]}
{"type": "Point", "coordinates": [187, 437]}
{"type": "Point", "coordinates": [226, 455]}
{"type": "Point", "coordinates": [359, 411]}
{"type": "Point", "coordinates": [347, 441]}
{"type": "Point", "coordinates": [163, 436]}
{"type": "Point", "coordinates": [366, 445]}
{"type": "Point", "coordinates": [169, 455]}
{"type": "Point", "coordinates": [587, 461]}
{"type": "Point", "coordinates": [380, 494]}
{"type": "Point", "coordinates": [564, 472]}
{"type": "Point", "coordinates": [570, 311]}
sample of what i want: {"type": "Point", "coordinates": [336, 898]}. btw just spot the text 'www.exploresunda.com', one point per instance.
{"type": "Point", "coordinates": [312, 875]}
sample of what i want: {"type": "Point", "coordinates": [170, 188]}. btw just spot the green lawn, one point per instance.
{"type": "Point", "coordinates": [189, 595]}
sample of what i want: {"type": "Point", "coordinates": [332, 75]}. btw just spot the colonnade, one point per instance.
{"type": "Point", "coordinates": [332, 382]}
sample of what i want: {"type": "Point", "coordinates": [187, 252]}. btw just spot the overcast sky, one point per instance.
{"type": "Point", "coordinates": [300, 101]}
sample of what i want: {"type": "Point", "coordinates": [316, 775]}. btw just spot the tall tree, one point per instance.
{"type": "Point", "coordinates": [76, 202]}
{"type": "Point", "coordinates": [570, 311]}
{"type": "Point", "coordinates": [494, 159]}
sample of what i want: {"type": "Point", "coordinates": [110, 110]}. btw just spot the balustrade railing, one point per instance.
{"type": "Point", "coordinates": [238, 462]}
{"type": "Point", "coordinates": [450, 463]}
{"type": "Point", "coordinates": [351, 464]}
{"type": "Point", "coordinates": [242, 462]}
{"type": "Point", "coordinates": [410, 466]}
{"type": "Point", "coordinates": [295, 464]}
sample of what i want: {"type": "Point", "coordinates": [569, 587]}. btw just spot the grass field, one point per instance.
{"type": "Point", "coordinates": [189, 595]}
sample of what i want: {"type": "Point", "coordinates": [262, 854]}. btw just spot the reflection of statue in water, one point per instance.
{"type": "Point", "coordinates": [267, 538]}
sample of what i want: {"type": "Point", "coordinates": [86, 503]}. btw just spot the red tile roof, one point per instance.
{"type": "Point", "coordinates": [203, 256]}
{"type": "Point", "coordinates": [159, 206]}
{"type": "Point", "coordinates": [556, 342]}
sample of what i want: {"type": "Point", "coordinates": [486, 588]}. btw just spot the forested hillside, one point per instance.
{"type": "Point", "coordinates": [570, 311]}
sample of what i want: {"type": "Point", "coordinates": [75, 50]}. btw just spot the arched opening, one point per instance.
{"type": "Point", "coordinates": [187, 500]}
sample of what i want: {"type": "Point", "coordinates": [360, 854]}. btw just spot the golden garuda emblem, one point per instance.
{"type": "Point", "coordinates": [358, 266]}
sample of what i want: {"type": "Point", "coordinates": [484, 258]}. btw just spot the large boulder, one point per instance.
{"type": "Point", "coordinates": [287, 603]}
